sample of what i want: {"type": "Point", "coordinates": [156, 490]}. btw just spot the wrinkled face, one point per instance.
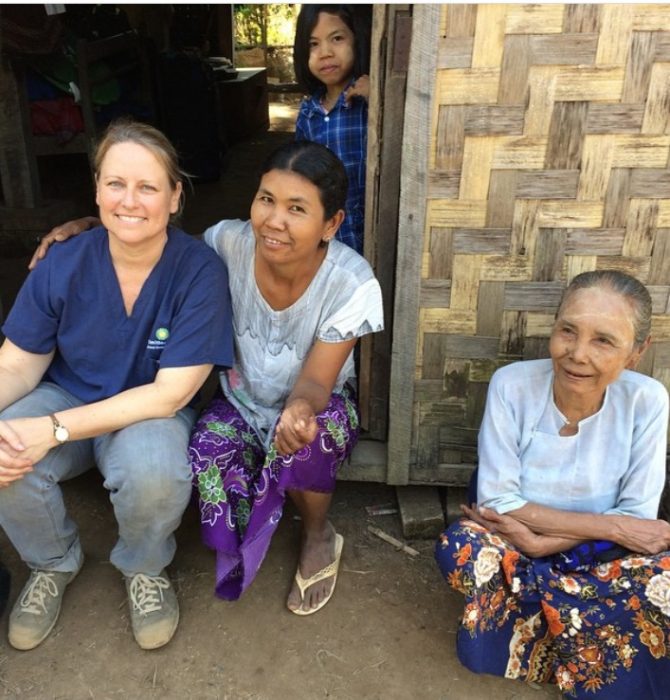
{"type": "Point", "coordinates": [287, 217]}
{"type": "Point", "coordinates": [331, 51]}
{"type": "Point", "coordinates": [134, 195]}
{"type": "Point", "coordinates": [592, 342]}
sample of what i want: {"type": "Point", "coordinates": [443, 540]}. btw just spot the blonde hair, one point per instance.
{"type": "Point", "coordinates": [126, 130]}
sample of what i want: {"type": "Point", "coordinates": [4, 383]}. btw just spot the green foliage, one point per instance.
{"type": "Point", "coordinates": [265, 25]}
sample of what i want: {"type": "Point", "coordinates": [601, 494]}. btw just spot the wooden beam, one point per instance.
{"type": "Point", "coordinates": [19, 175]}
{"type": "Point", "coordinates": [367, 463]}
{"type": "Point", "coordinates": [411, 231]}
{"type": "Point", "coordinates": [421, 512]}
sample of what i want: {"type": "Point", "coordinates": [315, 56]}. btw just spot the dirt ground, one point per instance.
{"type": "Point", "coordinates": [388, 632]}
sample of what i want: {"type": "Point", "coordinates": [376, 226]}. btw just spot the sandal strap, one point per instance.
{"type": "Point", "coordinates": [327, 571]}
{"type": "Point", "coordinates": [304, 583]}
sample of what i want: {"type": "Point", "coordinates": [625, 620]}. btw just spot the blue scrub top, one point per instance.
{"type": "Point", "coordinates": [72, 302]}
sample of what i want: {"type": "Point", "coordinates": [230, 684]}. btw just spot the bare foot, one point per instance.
{"type": "Point", "coordinates": [318, 550]}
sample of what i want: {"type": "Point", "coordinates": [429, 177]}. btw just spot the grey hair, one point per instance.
{"type": "Point", "coordinates": [627, 286]}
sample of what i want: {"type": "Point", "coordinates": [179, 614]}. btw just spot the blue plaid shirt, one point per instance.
{"type": "Point", "coordinates": [345, 131]}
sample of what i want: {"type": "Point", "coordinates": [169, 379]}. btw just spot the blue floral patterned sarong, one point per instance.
{"type": "Point", "coordinates": [241, 490]}
{"type": "Point", "coordinates": [601, 633]}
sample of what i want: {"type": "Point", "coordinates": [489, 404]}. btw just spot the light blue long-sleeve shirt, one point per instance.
{"type": "Point", "coordinates": [616, 463]}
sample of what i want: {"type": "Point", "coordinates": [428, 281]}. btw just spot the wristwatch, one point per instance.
{"type": "Point", "coordinates": [61, 433]}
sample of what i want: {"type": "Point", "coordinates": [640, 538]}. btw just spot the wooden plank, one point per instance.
{"type": "Point", "coordinates": [617, 198]}
{"type": "Point", "coordinates": [659, 272]}
{"type": "Point", "coordinates": [614, 118]}
{"type": "Point", "coordinates": [562, 49]}
{"type": "Point", "coordinates": [487, 49]}
{"type": "Point", "coordinates": [491, 120]}
{"type": "Point", "coordinates": [501, 200]}
{"type": "Point", "coordinates": [581, 18]}
{"type": "Point", "coordinates": [615, 39]}
{"type": "Point", "coordinates": [656, 118]}
{"type": "Point", "coordinates": [532, 296]}
{"type": "Point", "coordinates": [536, 348]}
{"type": "Point", "coordinates": [650, 182]}
{"type": "Point", "coordinates": [446, 474]}
{"type": "Point", "coordinates": [478, 240]}
{"type": "Point", "coordinates": [367, 463]}
{"type": "Point", "coordinates": [662, 46]}
{"type": "Point", "coordinates": [534, 19]}
{"type": "Point", "coordinates": [594, 241]}
{"type": "Point", "coordinates": [640, 227]}
{"type": "Point", "coordinates": [476, 402]}
{"type": "Point", "coordinates": [454, 52]}
{"type": "Point", "coordinates": [589, 83]}
{"type": "Point", "coordinates": [566, 132]}
{"type": "Point", "coordinates": [548, 184]}
{"type": "Point", "coordinates": [461, 20]}
{"type": "Point", "coordinates": [385, 134]}
{"type": "Point", "coordinates": [421, 512]}
{"type": "Point", "coordinates": [444, 184]}
{"type": "Point", "coordinates": [652, 150]}
{"type": "Point", "coordinates": [441, 252]}
{"type": "Point", "coordinates": [19, 175]}
{"type": "Point", "coordinates": [513, 88]}
{"type": "Point", "coordinates": [461, 86]}
{"type": "Point", "coordinates": [549, 254]}
{"type": "Point", "coordinates": [434, 353]}
{"type": "Point", "coordinates": [659, 294]}
{"type": "Point", "coordinates": [490, 306]}
{"type": "Point", "coordinates": [411, 225]}
{"type": "Point", "coordinates": [472, 346]}
{"type": "Point", "coordinates": [435, 293]}
{"type": "Point", "coordinates": [638, 68]}
{"type": "Point", "coordinates": [456, 495]}
{"type": "Point", "coordinates": [512, 333]}
{"type": "Point", "coordinates": [450, 139]}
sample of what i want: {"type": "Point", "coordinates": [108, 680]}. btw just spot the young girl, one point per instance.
{"type": "Point", "coordinates": [331, 56]}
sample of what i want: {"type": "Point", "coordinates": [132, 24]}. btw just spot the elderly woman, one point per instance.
{"type": "Point", "coordinates": [106, 346]}
{"type": "Point", "coordinates": [563, 562]}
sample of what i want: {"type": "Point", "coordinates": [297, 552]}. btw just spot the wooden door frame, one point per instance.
{"type": "Point", "coordinates": [390, 41]}
{"type": "Point", "coordinates": [418, 117]}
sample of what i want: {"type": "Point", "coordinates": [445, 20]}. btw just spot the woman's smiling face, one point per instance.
{"type": "Point", "coordinates": [134, 194]}
{"type": "Point", "coordinates": [288, 218]}
{"type": "Point", "coordinates": [592, 341]}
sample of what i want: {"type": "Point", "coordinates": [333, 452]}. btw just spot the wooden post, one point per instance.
{"type": "Point", "coordinates": [385, 135]}
{"type": "Point", "coordinates": [411, 224]}
{"type": "Point", "coordinates": [18, 167]}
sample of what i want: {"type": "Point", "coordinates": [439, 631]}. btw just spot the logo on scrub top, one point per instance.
{"type": "Point", "coordinates": [161, 335]}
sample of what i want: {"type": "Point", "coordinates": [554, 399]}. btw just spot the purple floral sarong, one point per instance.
{"type": "Point", "coordinates": [241, 490]}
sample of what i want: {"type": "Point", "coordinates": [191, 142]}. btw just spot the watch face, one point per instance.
{"type": "Point", "coordinates": [61, 433]}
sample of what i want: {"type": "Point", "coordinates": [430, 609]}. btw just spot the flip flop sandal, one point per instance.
{"type": "Point", "coordinates": [326, 572]}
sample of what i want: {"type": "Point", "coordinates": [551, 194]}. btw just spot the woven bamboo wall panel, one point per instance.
{"type": "Point", "coordinates": [550, 146]}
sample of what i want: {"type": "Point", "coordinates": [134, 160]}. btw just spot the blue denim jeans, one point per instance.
{"type": "Point", "coordinates": [146, 471]}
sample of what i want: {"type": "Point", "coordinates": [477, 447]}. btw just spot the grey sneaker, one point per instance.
{"type": "Point", "coordinates": [37, 608]}
{"type": "Point", "coordinates": [154, 610]}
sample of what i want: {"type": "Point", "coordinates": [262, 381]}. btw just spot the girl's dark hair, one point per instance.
{"type": "Point", "coordinates": [357, 17]}
{"type": "Point", "coordinates": [630, 288]}
{"type": "Point", "coordinates": [317, 164]}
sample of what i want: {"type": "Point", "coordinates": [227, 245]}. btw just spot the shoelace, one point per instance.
{"type": "Point", "coordinates": [33, 600]}
{"type": "Point", "coordinates": [146, 592]}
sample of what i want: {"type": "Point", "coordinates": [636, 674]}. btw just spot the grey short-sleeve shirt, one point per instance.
{"type": "Point", "coordinates": [343, 301]}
